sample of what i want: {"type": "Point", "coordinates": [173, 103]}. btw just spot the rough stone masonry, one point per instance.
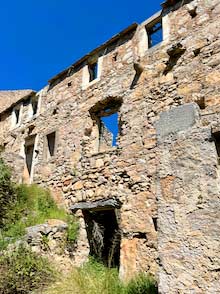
{"type": "Point", "coordinates": [149, 202]}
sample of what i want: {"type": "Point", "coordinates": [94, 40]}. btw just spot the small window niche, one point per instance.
{"type": "Point", "coordinates": [154, 32]}
{"type": "Point", "coordinates": [50, 145]}
{"type": "Point", "coordinates": [106, 122]}
{"type": "Point", "coordinates": [34, 105]}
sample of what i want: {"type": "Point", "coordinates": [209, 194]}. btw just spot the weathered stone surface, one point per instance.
{"type": "Point", "coordinates": [128, 258]}
{"type": "Point", "coordinates": [188, 214]}
{"type": "Point", "coordinates": [8, 98]}
{"type": "Point", "coordinates": [53, 230]}
{"type": "Point", "coordinates": [176, 120]}
{"type": "Point", "coordinates": [165, 168]}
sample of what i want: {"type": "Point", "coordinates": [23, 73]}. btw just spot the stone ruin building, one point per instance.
{"type": "Point", "coordinates": [147, 198]}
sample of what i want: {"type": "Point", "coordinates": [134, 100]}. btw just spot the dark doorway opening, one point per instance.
{"type": "Point", "coordinates": [104, 236]}
{"type": "Point", "coordinates": [29, 153]}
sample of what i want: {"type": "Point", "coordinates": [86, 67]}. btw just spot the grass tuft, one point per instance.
{"type": "Point", "coordinates": [94, 277]}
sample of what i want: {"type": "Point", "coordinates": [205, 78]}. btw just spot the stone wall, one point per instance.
{"type": "Point", "coordinates": [188, 204]}
{"type": "Point", "coordinates": [163, 170]}
{"type": "Point", "coordinates": [50, 240]}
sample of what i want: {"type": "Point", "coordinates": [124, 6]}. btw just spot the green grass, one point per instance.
{"type": "Point", "coordinates": [95, 278]}
{"type": "Point", "coordinates": [34, 205]}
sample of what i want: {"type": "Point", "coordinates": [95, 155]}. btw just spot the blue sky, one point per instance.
{"type": "Point", "coordinates": [39, 38]}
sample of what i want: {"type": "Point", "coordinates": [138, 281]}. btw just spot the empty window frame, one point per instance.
{"type": "Point", "coordinates": [16, 115]}
{"type": "Point", "coordinates": [155, 32]}
{"type": "Point", "coordinates": [93, 71]}
{"type": "Point", "coordinates": [216, 137]}
{"type": "Point", "coordinates": [50, 148]}
{"type": "Point", "coordinates": [34, 105]}
{"type": "Point", "coordinates": [29, 154]}
{"type": "Point", "coordinates": [108, 130]}
{"type": "Point", "coordinates": [108, 124]}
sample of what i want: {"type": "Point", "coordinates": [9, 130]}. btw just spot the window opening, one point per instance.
{"type": "Point", "coordinates": [34, 104]}
{"type": "Point", "coordinates": [115, 56]}
{"type": "Point", "coordinates": [155, 223]}
{"type": "Point", "coordinates": [106, 124]}
{"type": "Point", "coordinates": [93, 71]}
{"type": "Point", "coordinates": [109, 128]}
{"type": "Point", "coordinates": [217, 144]}
{"type": "Point", "coordinates": [192, 11]}
{"type": "Point", "coordinates": [50, 141]}
{"type": "Point", "coordinates": [27, 102]}
{"type": "Point", "coordinates": [104, 236]}
{"type": "Point", "coordinates": [17, 115]}
{"type": "Point", "coordinates": [29, 153]}
{"type": "Point", "coordinates": [155, 34]}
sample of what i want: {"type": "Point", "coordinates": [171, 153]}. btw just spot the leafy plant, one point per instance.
{"type": "Point", "coordinates": [7, 193]}
{"type": "Point", "coordinates": [22, 271]}
{"type": "Point", "coordinates": [45, 242]}
{"type": "Point", "coordinates": [73, 228]}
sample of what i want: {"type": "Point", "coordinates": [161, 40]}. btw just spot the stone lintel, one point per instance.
{"type": "Point", "coordinates": [97, 205]}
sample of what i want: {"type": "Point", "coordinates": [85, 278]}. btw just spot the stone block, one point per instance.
{"type": "Point", "coordinates": [175, 120]}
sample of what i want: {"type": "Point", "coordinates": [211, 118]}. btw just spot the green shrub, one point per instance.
{"type": "Point", "coordinates": [34, 205]}
{"type": "Point", "coordinates": [72, 231]}
{"type": "Point", "coordinates": [22, 271]}
{"type": "Point", "coordinates": [7, 194]}
{"type": "Point", "coordinates": [142, 284]}
{"type": "Point", "coordinates": [37, 200]}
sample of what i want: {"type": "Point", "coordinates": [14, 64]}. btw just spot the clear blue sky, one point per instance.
{"type": "Point", "coordinates": [39, 38]}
